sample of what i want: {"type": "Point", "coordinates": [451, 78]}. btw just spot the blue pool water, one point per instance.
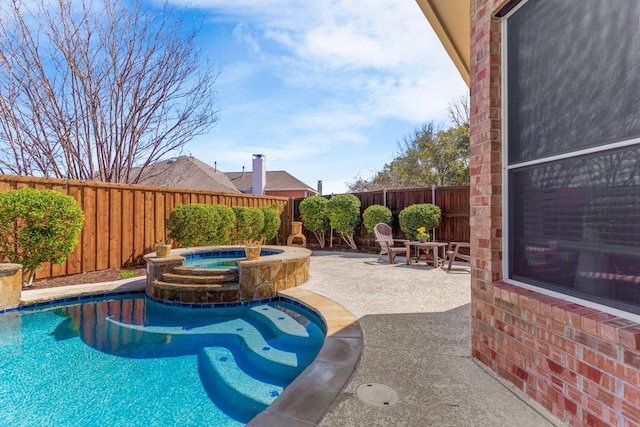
{"type": "Point", "coordinates": [130, 361]}
{"type": "Point", "coordinates": [218, 259]}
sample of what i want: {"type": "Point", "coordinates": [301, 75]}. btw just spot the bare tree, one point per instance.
{"type": "Point", "coordinates": [92, 90]}
{"type": "Point", "coordinates": [458, 110]}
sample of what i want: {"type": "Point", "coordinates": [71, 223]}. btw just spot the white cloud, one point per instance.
{"type": "Point", "coordinates": [244, 33]}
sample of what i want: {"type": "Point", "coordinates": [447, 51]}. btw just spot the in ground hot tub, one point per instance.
{"type": "Point", "coordinates": [171, 279]}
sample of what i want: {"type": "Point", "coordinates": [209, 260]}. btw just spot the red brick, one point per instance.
{"type": "Point", "coordinates": [632, 394]}
{"type": "Point", "coordinates": [575, 314]}
{"type": "Point", "coordinates": [599, 361]}
{"type": "Point", "coordinates": [608, 330]}
{"type": "Point", "coordinates": [593, 342]}
{"type": "Point", "coordinates": [601, 395]}
{"type": "Point", "coordinates": [519, 323]}
{"type": "Point", "coordinates": [555, 367]}
{"type": "Point", "coordinates": [549, 351]}
{"type": "Point", "coordinates": [573, 421]}
{"type": "Point", "coordinates": [629, 337]}
{"type": "Point", "coordinates": [565, 344]}
{"type": "Point", "coordinates": [547, 303]}
{"type": "Point", "coordinates": [591, 322]}
{"type": "Point", "coordinates": [595, 421]}
{"type": "Point", "coordinates": [632, 359]}
{"type": "Point", "coordinates": [629, 423]}
{"type": "Point", "coordinates": [509, 376]}
{"type": "Point", "coordinates": [570, 406]}
{"type": "Point", "coordinates": [630, 411]}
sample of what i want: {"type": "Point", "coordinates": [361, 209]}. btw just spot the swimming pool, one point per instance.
{"type": "Point", "coordinates": [132, 361]}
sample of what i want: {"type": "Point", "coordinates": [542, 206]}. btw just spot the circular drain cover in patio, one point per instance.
{"type": "Point", "coordinates": [377, 394]}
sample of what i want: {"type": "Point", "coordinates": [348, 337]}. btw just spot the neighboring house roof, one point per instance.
{"type": "Point", "coordinates": [451, 20]}
{"type": "Point", "coordinates": [187, 172]}
{"type": "Point", "coordinates": [276, 180]}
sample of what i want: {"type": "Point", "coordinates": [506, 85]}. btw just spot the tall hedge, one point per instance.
{"type": "Point", "coordinates": [201, 225]}
{"type": "Point", "coordinates": [38, 226]}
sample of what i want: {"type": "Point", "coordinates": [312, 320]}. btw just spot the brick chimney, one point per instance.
{"type": "Point", "coordinates": [259, 175]}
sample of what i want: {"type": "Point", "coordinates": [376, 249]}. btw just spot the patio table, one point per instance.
{"type": "Point", "coordinates": [434, 247]}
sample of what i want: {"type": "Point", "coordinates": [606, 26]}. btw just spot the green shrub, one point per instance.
{"type": "Point", "coordinates": [38, 226]}
{"type": "Point", "coordinates": [272, 222]}
{"type": "Point", "coordinates": [201, 225]}
{"type": "Point", "coordinates": [343, 211]}
{"type": "Point", "coordinates": [413, 217]}
{"type": "Point", "coordinates": [314, 216]}
{"type": "Point", "coordinates": [375, 214]}
{"type": "Point", "coordinates": [249, 224]}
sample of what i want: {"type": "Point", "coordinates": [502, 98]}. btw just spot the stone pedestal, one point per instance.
{"type": "Point", "coordinates": [10, 285]}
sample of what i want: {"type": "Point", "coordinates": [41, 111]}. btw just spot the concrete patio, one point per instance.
{"type": "Point", "coordinates": [417, 328]}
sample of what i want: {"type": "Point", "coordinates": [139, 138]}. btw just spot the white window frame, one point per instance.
{"type": "Point", "coordinates": [505, 187]}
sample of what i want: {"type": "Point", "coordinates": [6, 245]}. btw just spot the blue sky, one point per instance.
{"type": "Point", "coordinates": [324, 89]}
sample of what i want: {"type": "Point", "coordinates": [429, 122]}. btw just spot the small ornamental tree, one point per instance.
{"type": "Point", "coordinates": [249, 224]}
{"type": "Point", "coordinates": [314, 216]}
{"type": "Point", "coordinates": [201, 225]}
{"type": "Point", "coordinates": [414, 217]}
{"type": "Point", "coordinates": [376, 214]}
{"type": "Point", "coordinates": [272, 222]}
{"type": "Point", "coordinates": [343, 211]}
{"type": "Point", "coordinates": [38, 226]}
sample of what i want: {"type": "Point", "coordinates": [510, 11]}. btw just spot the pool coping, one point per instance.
{"type": "Point", "coordinates": [308, 398]}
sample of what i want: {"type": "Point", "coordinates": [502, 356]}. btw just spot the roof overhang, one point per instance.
{"type": "Point", "coordinates": [451, 20]}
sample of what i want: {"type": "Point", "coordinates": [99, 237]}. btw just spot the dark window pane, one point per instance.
{"type": "Point", "coordinates": [575, 227]}
{"type": "Point", "coordinates": [573, 80]}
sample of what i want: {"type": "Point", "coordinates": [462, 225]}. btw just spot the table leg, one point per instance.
{"type": "Point", "coordinates": [408, 254]}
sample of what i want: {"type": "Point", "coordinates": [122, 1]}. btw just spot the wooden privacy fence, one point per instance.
{"type": "Point", "coordinates": [452, 201]}
{"type": "Point", "coordinates": [122, 222]}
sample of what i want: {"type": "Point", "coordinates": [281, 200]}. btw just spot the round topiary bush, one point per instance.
{"type": "Point", "coordinates": [38, 226]}
{"type": "Point", "coordinates": [314, 216]}
{"type": "Point", "coordinates": [249, 224]}
{"type": "Point", "coordinates": [413, 217]}
{"type": "Point", "coordinates": [376, 214]}
{"type": "Point", "coordinates": [343, 211]}
{"type": "Point", "coordinates": [201, 225]}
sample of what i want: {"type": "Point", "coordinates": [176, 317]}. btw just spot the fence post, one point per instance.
{"type": "Point", "coordinates": [433, 202]}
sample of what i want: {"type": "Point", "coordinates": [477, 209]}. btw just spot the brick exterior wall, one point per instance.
{"type": "Point", "coordinates": [581, 364]}
{"type": "Point", "coordinates": [295, 194]}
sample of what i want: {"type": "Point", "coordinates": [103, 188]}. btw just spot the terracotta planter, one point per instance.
{"type": "Point", "coordinates": [423, 240]}
{"type": "Point", "coordinates": [296, 227]}
{"type": "Point", "coordinates": [252, 252]}
{"type": "Point", "coordinates": [163, 250]}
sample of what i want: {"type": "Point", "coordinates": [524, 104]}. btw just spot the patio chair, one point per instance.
{"type": "Point", "coordinates": [384, 237]}
{"type": "Point", "coordinates": [453, 253]}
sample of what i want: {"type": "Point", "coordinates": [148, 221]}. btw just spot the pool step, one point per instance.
{"type": "Point", "coordinates": [204, 271]}
{"type": "Point", "coordinates": [282, 328]}
{"type": "Point", "coordinates": [231, 276]}
{"type": "Point", "coordinates": [234, 391]}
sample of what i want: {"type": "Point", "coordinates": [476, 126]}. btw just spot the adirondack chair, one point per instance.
{"type": "Point", "coordinates": [384, 237]}
{"type": "Point", "coordinates": [453, 253]}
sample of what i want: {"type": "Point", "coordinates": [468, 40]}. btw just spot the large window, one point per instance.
{"type": "Point", "coordinates": [572, 125]}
